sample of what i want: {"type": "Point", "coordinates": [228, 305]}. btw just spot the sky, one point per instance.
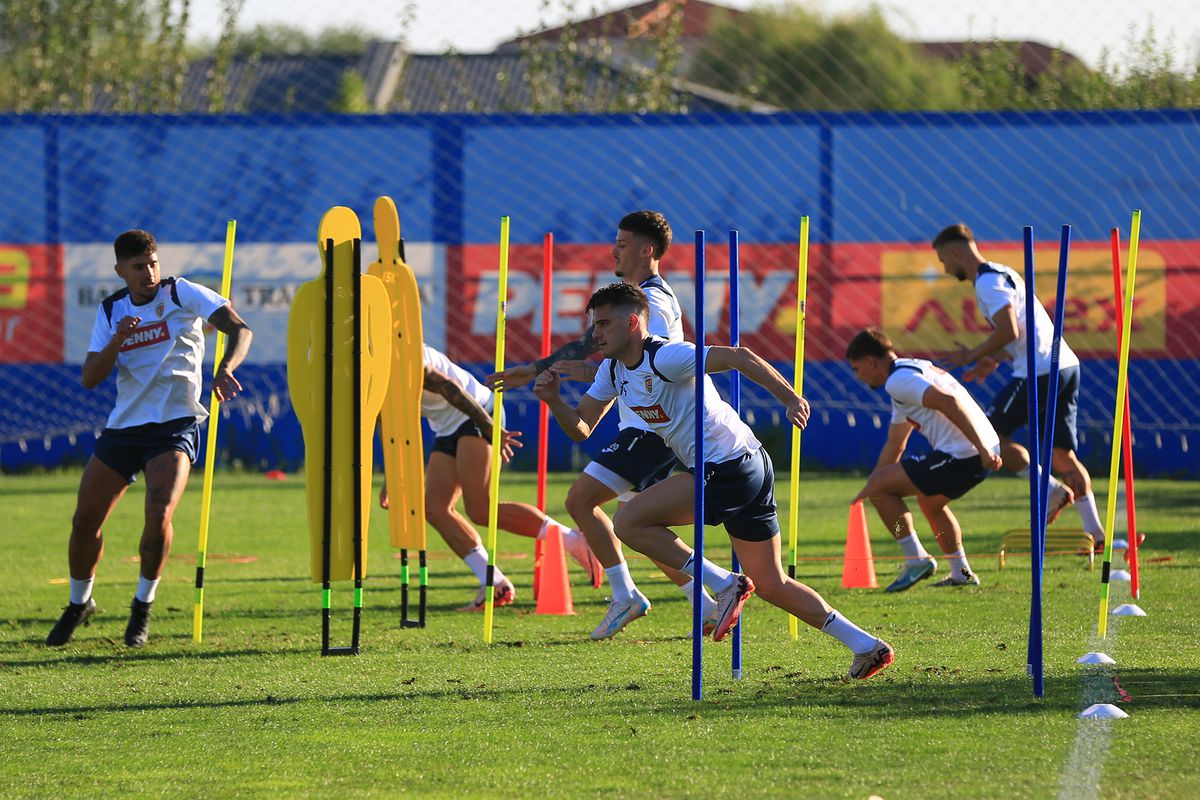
{"type": "Point", "coordinates": [1083, 28]}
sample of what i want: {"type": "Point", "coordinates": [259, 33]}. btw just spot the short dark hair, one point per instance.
{"type": "Point", "coordinates": [958, 232]}
{"type": "Point", "coordinates": [621, 296]}
{"type": "Point", "coordinates": [869, 342]}
{"type": "Point", "coordinates": [135, 243]}
{"type": "Point", "coordinates": [650, 224]}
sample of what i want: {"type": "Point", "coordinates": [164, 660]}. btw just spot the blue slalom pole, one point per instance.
{"type": "Point", "coordinates": [1037, 514]}
{"type": "Point", "coordinates": [735, 400]}
{"type": "Point", "coordinates": [698, 525]}
{"type": "Point", "coordinates": [1064, 251]}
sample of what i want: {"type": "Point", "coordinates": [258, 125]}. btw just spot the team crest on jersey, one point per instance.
{"type": "Point", "coordinates": [649, 384]}
{"type": "Point", "coordinates": [159, 309]}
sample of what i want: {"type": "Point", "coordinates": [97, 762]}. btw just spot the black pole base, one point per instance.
{"type": "Point", "coordinates": [340, 651]}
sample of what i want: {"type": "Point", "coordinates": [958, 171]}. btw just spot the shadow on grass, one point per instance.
{"type": "Point", "coordinates": [125, 655]}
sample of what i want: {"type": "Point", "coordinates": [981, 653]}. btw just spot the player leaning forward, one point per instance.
{"type": "Point", "coordinates": [654, 379]}
{"type": "Point", "coordinates": [152, 331]}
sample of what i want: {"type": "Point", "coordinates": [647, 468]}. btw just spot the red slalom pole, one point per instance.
{"type": "Point", "coordinates": [543, 410]}
{"type": "Point", "coordinates": [1126, 432]}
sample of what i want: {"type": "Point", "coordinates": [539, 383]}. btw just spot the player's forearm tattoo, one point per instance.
{"type": "Point", "coordinates": [581, 348]}
{"type": "Point", "coordinates": [438, 383]}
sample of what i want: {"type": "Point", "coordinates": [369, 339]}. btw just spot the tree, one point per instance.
{"type": "Point", "coordinates": [789, 56]}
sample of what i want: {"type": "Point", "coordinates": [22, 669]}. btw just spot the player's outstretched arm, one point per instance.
{"type": "Point", "coordinates": [515, 377]}
{"type": "Point", "coordinates": [99, 364]}
{"type": "Point", "coordinates": [952, 407]}
{"type": "Point", "coordinates": [439, 382]}
{"type": "Point", "coordinates": [578, 422]}
{"type": "Point", "coordinates": [754, 367]}
{"type": "Point", "coordinates": [227, 321]}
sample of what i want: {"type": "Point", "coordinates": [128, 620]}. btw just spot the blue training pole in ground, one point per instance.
{"type": "Point", "coordinates": [698, 526]}
{"type": "Point", "coordinates": [1064, 250]}
{"type": "Point", "coordinates": [1037, 514]}
{"type": "Point", "coordinates": [735, 400]}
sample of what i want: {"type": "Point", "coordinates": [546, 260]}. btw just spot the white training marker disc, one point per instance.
{"type": "Point", "coordinates": [1128, 610]}
{"type": "Point", "coordinates": [1120, 575]}
{"type": "Point", "coordinates": [1095, 658]}
{"type": "Point", "coordinates": [1120, 544]}
{"type": "Point", "coordinates": [1102, 711]}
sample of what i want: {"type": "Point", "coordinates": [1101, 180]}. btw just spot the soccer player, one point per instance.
{"type": "Point", "coordinates": [966, 450]}
{"type": "Point", "coordinates": [655, 379]}
{"type": "Point", "coordinates": [1000, 294]}
{"type": "Point", "coordinates": [456, 405]}
{"type": "Point", "coordinates": [636, 459]}
{"type": "Point", "coordinates": [152, 331]}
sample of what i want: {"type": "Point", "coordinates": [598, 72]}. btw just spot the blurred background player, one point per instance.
{"type": "Point", "coordinates": [637, 458]}
{"type": "Point", "coordinates": [457, 406]}
{"type": "Point", "coordinates": [152, 332]}
{"type": "Point", "coordinates": [1000, 295]}
{"type": "Point", "coordinates": [656, 380]}
{"type": "Point", "coordinates": [965, 451]}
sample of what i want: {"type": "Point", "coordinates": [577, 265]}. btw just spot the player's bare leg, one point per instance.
{"type": "Point", "coordinates": [886, 489]}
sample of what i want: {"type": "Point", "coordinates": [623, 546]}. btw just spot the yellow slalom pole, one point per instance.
{"type": "Point", "coordinates": [1122, 387]}
{"type": "Point", "coordinates": [210, 447]}
{"type": "Point", "coordinates": [798, 383]}
{"type": "Point", "coordinates": [497, 434]}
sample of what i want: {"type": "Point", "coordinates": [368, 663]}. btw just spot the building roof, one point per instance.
{"type": "Point", "coordinates": [696, 18]}
{"type": "Point", "coordinates": [1035, 57]}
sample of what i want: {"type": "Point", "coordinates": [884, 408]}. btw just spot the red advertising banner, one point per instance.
{"type": "Point", "coordinates": [31, 305]}
{"type": "Point", "coordinates": [898, 287]}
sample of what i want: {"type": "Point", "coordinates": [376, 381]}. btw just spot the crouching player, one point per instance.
{"type": "Point", "coordinates": [966, 449]}
{"type": "Point", "coordinates": [654, 379]}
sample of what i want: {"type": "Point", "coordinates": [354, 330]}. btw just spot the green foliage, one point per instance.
{"type": "Point", "coordinates": [576, 74]}
{"type": "Point", "coordinates": [76, 55]}
{"type": "Point", "coordinates": [792, 57]}
{"type": "Point", "coordinates": [290, 40]}
{"type": "Point", "coordinates": [352, 95]}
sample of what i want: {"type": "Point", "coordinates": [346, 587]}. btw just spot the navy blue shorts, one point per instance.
{"type": "Point", "coordinates": [1010, 410]}
{"type": "Point", "coordinates": [740, 494]}
{"type": "Point", "coordinates": [935, 473]}
{"type": "Point", "coordinates": [633, 462]}
{"type": "Point", "coordinates": [127, 450]}
{"type": "Point", "coordinates": [448, 444]}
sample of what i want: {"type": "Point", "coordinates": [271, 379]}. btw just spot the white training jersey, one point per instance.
{"type": "Point", "coordinates": [665, 321]}
{"type": "Point", "coordinates": [444, 418]}
{"type": "Point", "coordinates": [661, 391]}
{"type": "Point", "coordinates": [907, 383]}
{"type": "Point", "coordinates": [158, 366]}
{"type": "Point", "coordinates": [997, 286]}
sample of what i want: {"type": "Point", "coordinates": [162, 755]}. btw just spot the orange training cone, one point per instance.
{"type": "Point", "coordinates": [554, 589]}
{"type": "Point", "coordinates": [858, 568]}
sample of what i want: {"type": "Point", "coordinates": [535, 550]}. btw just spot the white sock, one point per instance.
{"type": "Point", "coordinates": [849, 634]}
{"type": "Point", "coordinates": [620, 581]}
{"type": "Point", "coordinates": [1023, 472]}
{"type": "Point", "coordinates": [477, 561]}
{"type": "Point", "coordinates": [547, 522]}
{"type": "Point", "coordinates": [959, 568]}
{"type": "Point", "coordinates": [81, 590]}
{"type": "Point", "coordinates": [914, 551]}
{"type": "Point", "coordinates": [716, 578]}
{"type": "Point", "coordinates": [689, 591]}
{"type": "Point", "coordinates": [1086, 506]}
{"type": "Point", "coordinates": [146, 589]}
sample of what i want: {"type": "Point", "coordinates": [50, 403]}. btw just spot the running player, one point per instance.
{"type": "Point", "coordinates": [1000, 294]}
{"type": "Point", "coordinates": [965, 451]}
{"type": "Point", "coordinates": [457, 407]}
{"type": "Point", "coordinates": [655, 379]}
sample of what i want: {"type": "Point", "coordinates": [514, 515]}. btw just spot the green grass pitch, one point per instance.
{"type": "Point", "coordinates": [256, 712]}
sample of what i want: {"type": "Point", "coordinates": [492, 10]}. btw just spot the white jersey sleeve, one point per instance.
{"type": "Point", "coordinates": [677, 361]}
{"type": "Point", "coordinates": [198, 299]}
{"type": "Point", "coordinates": [101, 332]}
{"type": "Point", "coordinates": [993, 292]}
{"type": "Point", "coordinates": [907, 386]}
{"type": "Point", "coordinates": [602, 387]}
